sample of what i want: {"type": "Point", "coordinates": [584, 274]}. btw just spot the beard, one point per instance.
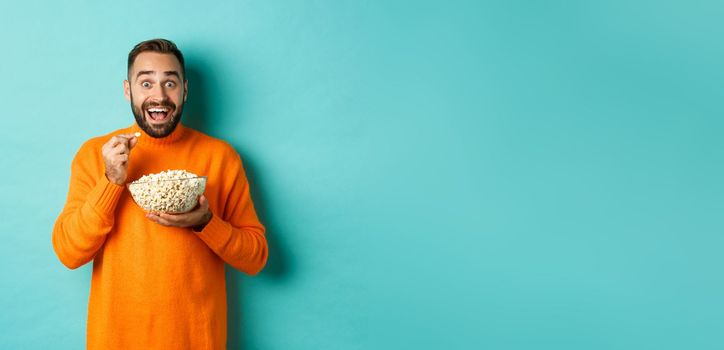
{"type": "Point", "coordinates": [157, 131]}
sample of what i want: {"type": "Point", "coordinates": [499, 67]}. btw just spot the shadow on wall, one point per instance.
{"type": "Point", "coordinates": [198, 114]}
{"type": "Point", "coordinates": [196, 108]}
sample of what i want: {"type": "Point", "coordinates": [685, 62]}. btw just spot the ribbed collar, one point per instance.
{"type": "Point", "coordinates": [175, 136]}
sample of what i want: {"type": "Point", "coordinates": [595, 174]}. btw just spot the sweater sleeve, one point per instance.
{"type": "Point", "coordinates": [88, 214]}
{"type": "Point", "coordinates": [235, 233]}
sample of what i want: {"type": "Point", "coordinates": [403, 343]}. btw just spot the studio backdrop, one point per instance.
{"type": "Point", "coordinates": [432, 175]}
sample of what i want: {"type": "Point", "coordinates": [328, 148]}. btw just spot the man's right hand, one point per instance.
{"type": "Point", "coordinates": [115, 156]}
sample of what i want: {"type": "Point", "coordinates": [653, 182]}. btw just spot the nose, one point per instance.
{"type": "Point", "coordinates": [159, 93]}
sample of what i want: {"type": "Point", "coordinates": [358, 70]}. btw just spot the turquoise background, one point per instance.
{"type": "Point", "coordinates": [433, 175]}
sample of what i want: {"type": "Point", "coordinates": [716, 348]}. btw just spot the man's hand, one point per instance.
{"type": "Point", "coordinates": [115, 156]}
{"type": "Point", "coordinates": [196, 219]}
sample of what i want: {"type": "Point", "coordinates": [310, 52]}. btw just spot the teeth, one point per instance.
{"type": "Point", "coordinates": [157, 110]}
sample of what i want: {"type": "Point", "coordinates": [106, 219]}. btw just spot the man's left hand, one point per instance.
{"type": "Point", "coordinates": [196, 219]}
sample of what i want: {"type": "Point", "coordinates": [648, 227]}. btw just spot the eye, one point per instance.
{"type": "Point", "coordinates": [170, 84]}
{"type": "Point", "coordinates": [146, 84]}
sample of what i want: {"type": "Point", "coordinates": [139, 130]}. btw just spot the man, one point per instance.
{"type": "Point", "coordinates": [158, 279]}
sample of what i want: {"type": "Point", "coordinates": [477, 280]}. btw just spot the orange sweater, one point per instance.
{"type": "Point", "coordinates": [158, 287]}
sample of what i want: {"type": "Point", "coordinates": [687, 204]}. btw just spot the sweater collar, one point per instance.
{"type": "Point", "coordinates": [145, 139]}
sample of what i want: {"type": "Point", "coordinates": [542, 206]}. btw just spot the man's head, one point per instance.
{"type": "Point", "coordinates": [156, 86]}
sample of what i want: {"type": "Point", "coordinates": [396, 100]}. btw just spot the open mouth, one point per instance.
{"type": "Point", "coordinates": [158, 114]}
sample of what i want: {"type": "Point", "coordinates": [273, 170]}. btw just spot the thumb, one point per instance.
{"type": "Point", "coordinates": [132, 142]}
{"type": "Point", "coordinates": [203, 202]}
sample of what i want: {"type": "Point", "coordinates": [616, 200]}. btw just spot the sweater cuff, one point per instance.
{"type": "Point", "coordinates": [104, 197]}
{"type": "Point", "coordinates": [216, 233]}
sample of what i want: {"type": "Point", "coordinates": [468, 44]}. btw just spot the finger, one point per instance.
{"type": "Point", "coordinates": [129, 140]}
{"type": "Point", "coordinates": [121, 139]}
{"type": "Point", "coordinates": [203, 203]}
{"type": "Point", "coordinates": [117, 158]}
{"type": "Point", "coordinates": [165, 222]}
{"type": "Point", "coordinates": [155, 218]}
{"type": "Point", "coordinates": [127, 136]}
{"type": "Point", "coordinates": [174, 219]}
{"type": "Point", "coordinates": [164, 216]}
{"type": "Point", "coordinates": [120, 148]}
{"type": "Point", "coordinates": [120, 159]}
{"type": "Point", "coordinates": [116, 155]}
{"type": "Point", "coordinates": [115, 140]}
{"type": "Point", "coordinates": [152, 217]}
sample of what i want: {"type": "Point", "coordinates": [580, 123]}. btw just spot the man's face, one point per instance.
{"type": "Point", "coordinates": [157, 92]}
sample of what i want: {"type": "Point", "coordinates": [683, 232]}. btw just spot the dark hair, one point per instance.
{"type": "Point", "coordinates": [160, 46]}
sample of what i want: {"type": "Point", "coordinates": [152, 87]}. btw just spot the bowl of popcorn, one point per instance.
{"type": "Point", "coordinates": [171, 191]}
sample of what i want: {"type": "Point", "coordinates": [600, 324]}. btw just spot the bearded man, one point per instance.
{"type": "Point", "coordinates": [158, 279]}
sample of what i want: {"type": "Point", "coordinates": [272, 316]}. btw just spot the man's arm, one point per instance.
{"type": "Point", "coordinates": [241, 242]}
{"type": "Point", "coordinates": [88, 214]}
{"type": "Point", "coordinates": [236, 234]}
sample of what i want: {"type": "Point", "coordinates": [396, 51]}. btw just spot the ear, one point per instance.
{"type": "Point", "coordinates": [127, 90]}
{"type": "Point", "coordinates": [186, 89]}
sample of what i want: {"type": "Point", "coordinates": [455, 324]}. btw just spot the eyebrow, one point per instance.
{"type": "Point", "coordinates": [167, 73]}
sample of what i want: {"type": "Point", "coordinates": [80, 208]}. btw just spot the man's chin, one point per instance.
{"type": "Point", "coordinates": [159, 130]}
{"type": "Point", "coordinates": [159, 126]}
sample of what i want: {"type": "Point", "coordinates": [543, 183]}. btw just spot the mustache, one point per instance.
{"type": "Point", "coordinates": [167, 104]}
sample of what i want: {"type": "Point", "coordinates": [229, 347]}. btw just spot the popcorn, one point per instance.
{"type": "Point", "coordinates": [171, 191]}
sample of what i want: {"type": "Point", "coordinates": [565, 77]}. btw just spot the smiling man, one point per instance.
{"type": "Point", "coordinates": [160, 91]}
{"type": "Point", "coordinates": [158, 279]}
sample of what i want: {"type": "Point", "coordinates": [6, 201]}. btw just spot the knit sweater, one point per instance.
{"type": "Point", "coordinates": [153, 286]}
